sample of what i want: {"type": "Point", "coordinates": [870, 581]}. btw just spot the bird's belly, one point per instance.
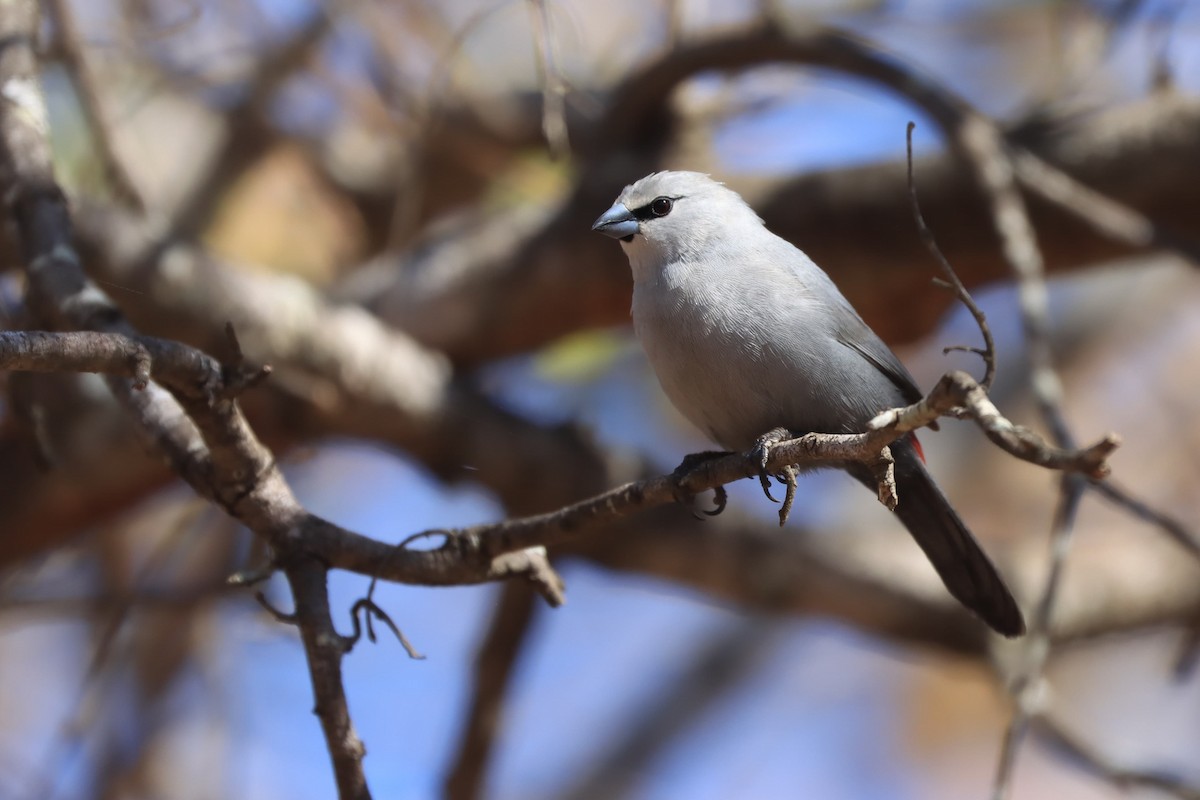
{"type": "Point", "coordinates": [727, 381]}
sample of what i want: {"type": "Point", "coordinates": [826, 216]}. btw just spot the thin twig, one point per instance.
{"type": "Point", "coordinates": [517, 546]}
{"type": "Point", "coordinates": [1017, 440]}
{"type": "Point", "coordinates": [269, 607]}
{"type": "Point", "coordinates": [1029, 687]}
{"type": "Point", "coordinates": [1077, 751]}
{"type": "Point", "coordinates": [1172, 527]}
{"type": "Point", "coordinates": [952, 281]}
{"type": "Point", "coordinates": [372, 611]}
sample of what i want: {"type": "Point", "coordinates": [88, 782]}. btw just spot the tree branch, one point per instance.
{"type": "Point", "coordinates": [324, 648]}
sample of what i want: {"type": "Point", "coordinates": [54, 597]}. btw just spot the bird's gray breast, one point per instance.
{"type": "Point", "coordinates": [737, 357]}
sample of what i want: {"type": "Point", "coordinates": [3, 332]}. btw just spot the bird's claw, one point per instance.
{"type": "Point", "coordinates": [761, 455]}
{"type": "Point", "coordinates": [720, 500]}
{"type": "Point", "coordinates": [764, 478]}
{"type": "Point", "coordinates": [685, 497]}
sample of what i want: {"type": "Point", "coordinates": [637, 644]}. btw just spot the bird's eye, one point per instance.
{"type": "Point", "coordinates": [661, 206]}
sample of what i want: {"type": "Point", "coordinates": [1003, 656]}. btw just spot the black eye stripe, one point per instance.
{"type": "Point", "coordinates": [643, 213]}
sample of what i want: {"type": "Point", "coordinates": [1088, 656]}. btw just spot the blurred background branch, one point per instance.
{"type": "Point", "coordinates": [368, 191]}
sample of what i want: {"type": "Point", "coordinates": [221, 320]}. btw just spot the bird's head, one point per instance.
{"type": "Point", "coordinates": [673, 216]}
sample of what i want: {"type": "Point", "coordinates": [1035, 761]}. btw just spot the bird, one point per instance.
{"type": "Point", "coordinates": [750, 340]}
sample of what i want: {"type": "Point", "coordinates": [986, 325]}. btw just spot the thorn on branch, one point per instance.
{"type": "Point", "coordinates": [238, 375]}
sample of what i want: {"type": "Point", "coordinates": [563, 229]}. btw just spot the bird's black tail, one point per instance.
{"type": "Point", "coordinates": [963, 566]}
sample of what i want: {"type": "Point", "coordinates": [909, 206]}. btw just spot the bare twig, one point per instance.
{"type": "Point", "coordinates": [325, 647]}
{"type": "Point", "coordinates": [280, 616]}
{"type": "Point", "coordinates": [1028, 688]}
{"type": "Point", "coordinates": [983, 144]}
{"type": "Point", "coordinates": [958, 387]}
{"type": "Point", "coordinates": [1070, 745]}
{"type": "Point", "coordinates": [372, 611]}
{"type": "Point", "coordinates": [988, 353]}
{"type": "Point", "coordinates": [1172, 527]}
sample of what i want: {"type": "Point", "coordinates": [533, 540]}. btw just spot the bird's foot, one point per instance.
{"type": "Point", "coordinates": [685, 497]}
{"type": "Point", "coordinates": [760, 454]}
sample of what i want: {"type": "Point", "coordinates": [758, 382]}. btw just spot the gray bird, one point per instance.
{"type": "Point", "coordinates": [747, 335]}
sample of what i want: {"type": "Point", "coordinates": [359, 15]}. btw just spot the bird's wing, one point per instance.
{"type": "Point", "coordinates": [855, 334]}
{"type": "Point", "coordinates": [847, 326]}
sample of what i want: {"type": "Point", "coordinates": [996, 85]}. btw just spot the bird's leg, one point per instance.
{"type": "Point", "coordinates": [689, 463]}
{"type": "Point", "coordinates": [761, 453]}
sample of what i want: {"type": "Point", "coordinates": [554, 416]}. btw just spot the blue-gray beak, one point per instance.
{"type": "Point", "coordinates": [618, 222]}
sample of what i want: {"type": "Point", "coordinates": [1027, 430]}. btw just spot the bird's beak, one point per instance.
{"type": "Point", "coordinates": [618, 222]}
